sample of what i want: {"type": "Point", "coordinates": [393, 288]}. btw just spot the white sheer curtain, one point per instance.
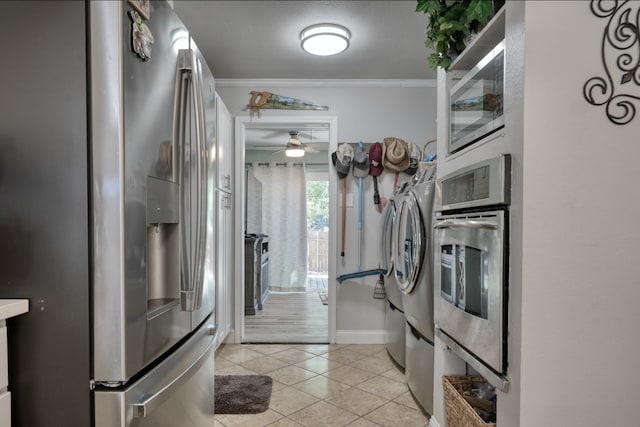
{"type": "Point", "coordinates": [284, 219]}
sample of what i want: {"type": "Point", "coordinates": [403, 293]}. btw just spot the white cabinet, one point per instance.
{"type": "Point", "coordinates": [8, 308]}
{"type": "Point", "coordinates": [224, 272]}
{"type": "Point", "coordinates": [224, 220]}
{"type": "Point", "coordinates": [224, 154]}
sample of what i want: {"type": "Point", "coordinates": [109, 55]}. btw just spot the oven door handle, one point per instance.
{"type": "Point", "coordinates": [466, 223]}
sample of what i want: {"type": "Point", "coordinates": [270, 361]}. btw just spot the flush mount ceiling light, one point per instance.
{"type": "Point", "coordinates": [325, 39]}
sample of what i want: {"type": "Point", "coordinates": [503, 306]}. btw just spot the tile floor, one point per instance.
{"type": "Point", "coordinates": [322, 385]}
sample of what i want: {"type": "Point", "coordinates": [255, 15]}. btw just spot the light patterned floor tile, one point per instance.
{"type": "Point", "coordinates": [334, 347]}
{"type": "Point", "coordinates": [349, 375]}
{"type": "Point", "coordinates": [323, 414]}
{"type": "Point", "coordinates": [264, 365]}
{"type": "Point", "coordinates": [248, 420]}
{"type": "Point", "coordinates": [319, 364]}
{"type": "Point", "coordinates": [357, 401]}
{"type": "Point", "coordinates": [393, 415]}
{"type": "Point", "coordinates": [290, 375]}
{"type": "Point", "coordinates": [285, 422]}
{"type": "Point", "coordinates": [395, 374]}
{"type": "Point", "coordinates": [289, 400]}
{"type": "Point", "coordinates": [355, 385]}
{"type": "Point", "coordinates": [367, 349]}
{"type": "Point", "coordinates": [407, 400]}
{"type": "Point", "coordinates": [269, 348]}
{"type": "Point", "coordinates": [321, 387]}
{"type": "Point", "coordinates": [363, 422]}
{"type": "Point", "coordinates": [277, 385]}
{"type": "Point", "coordinates": [237, 353]}
{"type": "Point", "coordinates": [317, 349]}
{"type": "Point", "coordinates": [384, 387]}
{"type": "Point", "coordinates": [235, 370]}
{"type": "Point", "coordinates": [376, 365]}
{"type": "Point", "coordinates": [293, 355]}
{"type": "Point", "coordinates": [344, 356]}
{"type": "Point", "coordinates": [221, 362]}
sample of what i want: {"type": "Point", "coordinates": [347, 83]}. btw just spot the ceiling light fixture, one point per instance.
{"type": "Point", "coordinates": [294, 148]}
{"type": "Point", "coordinates": [325, 39]}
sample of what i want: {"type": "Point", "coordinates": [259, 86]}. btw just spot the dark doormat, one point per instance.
{"type": "Point", "coordinates": [242, 394]}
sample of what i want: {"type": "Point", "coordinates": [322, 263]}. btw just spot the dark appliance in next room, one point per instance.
{"type": "Point", "coordinates": [471, 259]}
{"type": "Point", "coordinates": [263, 280]}
{"type": "Point", "coordinates": [256, 273]}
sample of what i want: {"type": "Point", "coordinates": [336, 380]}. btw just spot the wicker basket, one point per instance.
{"type": "Point", "coordinates": [459, 411]}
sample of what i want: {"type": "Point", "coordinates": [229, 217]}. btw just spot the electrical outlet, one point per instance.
{"type": "Point", "coordinates": [349, 200]}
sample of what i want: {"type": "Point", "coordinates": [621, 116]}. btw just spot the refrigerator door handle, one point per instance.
{"type": "Point", "coordinates": [201, 187]}
{"type": "Point", "coordinates": [150, 402]}
{"type": "Point", "coordinates": [184, 79]}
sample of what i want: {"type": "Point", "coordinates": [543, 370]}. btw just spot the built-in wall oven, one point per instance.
{"type": "Point", "coordinates": [471, 260]}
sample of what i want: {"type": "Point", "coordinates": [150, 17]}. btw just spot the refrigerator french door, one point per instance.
{"type": "Point", "coordinates": [116, 234]}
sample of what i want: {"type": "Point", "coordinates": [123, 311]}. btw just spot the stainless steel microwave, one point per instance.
{"type": "Point", "coordinates": [476, 101]}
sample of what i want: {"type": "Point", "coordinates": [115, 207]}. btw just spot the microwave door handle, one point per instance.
{"type": "Point", "coordinates": [466, 223]}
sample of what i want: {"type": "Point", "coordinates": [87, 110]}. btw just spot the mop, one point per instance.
{"type": "Point", "coordinates": [360, 170]}
{"type": "Point", "coordinates": [341, 160]}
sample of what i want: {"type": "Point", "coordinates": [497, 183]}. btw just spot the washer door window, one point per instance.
{"type": "Point", "coordinates": [409, 241]}
{"type": "Point", "coordinates": [387, 238]}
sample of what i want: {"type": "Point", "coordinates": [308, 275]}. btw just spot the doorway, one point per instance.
{"type": "Point", "coordinates": [317, 155]}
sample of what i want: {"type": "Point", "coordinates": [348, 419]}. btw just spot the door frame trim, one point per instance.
{"type": "Point", "coordinates": [241, 125]}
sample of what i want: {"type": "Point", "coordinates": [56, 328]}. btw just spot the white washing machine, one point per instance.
{"type": "Point", "coordinates": [395, 320]}
{"type": "Point", "coordinates": [413, 270]}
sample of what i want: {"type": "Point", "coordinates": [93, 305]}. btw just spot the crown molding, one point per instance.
{"type": "Point", "coordinates": [335, 83]}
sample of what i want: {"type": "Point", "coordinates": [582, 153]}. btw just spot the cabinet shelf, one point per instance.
{"type": "Point", "coordinates": [482, 43]}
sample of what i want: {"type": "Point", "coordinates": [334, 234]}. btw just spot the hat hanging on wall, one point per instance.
{"type": "Point", "coordinates": [414, 158]}
{"type": "Point", "coordinates": [342, 159]}
{"type": "Point", "coordinates": [395, 154]}
{"type": "Point", "coordinates": [375, 170]}
{"type": "Point", "coordinates": [375, 157]}
{"type": "Point", "coordinates": [360, 163]}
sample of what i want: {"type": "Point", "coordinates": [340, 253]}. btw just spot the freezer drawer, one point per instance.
{"type": "Point", "coordinates": [177, 392]}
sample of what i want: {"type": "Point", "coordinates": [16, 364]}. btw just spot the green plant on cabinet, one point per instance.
{"type": "Point", "coordinates": [449, 25]}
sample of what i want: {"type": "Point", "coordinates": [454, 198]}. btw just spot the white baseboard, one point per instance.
{"type": "Point", "coordinates": [433, 422]}
{"type": "Point", "coordinates": [360, 337]}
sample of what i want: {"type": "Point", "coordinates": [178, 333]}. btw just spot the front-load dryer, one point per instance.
{"type": "Point", "coordinates": [413, 270]}
{"type": "Point", "coordinates": [395, 320]}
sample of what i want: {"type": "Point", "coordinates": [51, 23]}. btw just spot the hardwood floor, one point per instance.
{"type": "Point", "coordinates": [289, 317]}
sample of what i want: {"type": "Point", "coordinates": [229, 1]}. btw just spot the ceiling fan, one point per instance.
{"type": "Point", "coordinates": [294, 147]}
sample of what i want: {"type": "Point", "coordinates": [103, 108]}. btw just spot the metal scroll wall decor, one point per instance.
{"type": "Point", "coordinates": [619, 90]}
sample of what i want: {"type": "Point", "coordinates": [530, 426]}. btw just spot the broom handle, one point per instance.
{"type": "Point", "coordinates": [344, 211]}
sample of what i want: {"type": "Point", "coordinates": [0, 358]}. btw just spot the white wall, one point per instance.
{"type": "Point", "coordinates": [369, 114]}
{"type": "Point", "coordinates": [581, 269]}
{"type": "Point", "coordinates": [574, 336]}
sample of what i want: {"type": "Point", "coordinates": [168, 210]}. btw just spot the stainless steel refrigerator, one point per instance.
{"type": "Point", "coordinates": [107, 133]}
